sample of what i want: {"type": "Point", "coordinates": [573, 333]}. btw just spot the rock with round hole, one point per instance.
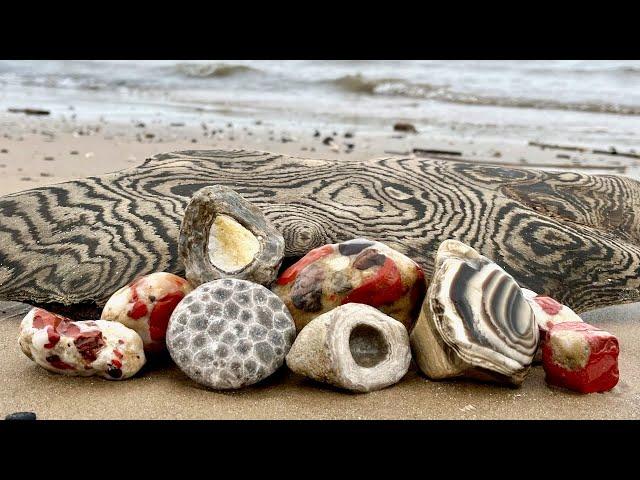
{"type": "Point", "coordinates": [474, 322]}
{"type": "Point", "coordinates": [146, 304]}
{"type": "Point", "coordinates": [356, 271]}
{"type": "Point", "coordinates": [92, 347]}
{"type": "Point", "coordinates": [230, 333]}
{"type": "Point", "coordinates": [223, 235]}
{"type": "Point", "coordinates": [355, 347]}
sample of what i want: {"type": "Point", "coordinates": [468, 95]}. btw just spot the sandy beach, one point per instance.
{"type": "Point", "coordinates": [38, 151]}
{"type": "Point", "coordinates": [161, 391]}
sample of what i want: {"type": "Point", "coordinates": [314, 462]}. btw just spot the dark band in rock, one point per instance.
{"type": "Point", "coordinates": [572, 236]}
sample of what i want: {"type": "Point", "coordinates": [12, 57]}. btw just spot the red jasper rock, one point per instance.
{"type": "Point", "coordinates": [146, 304]}
{"type": "Point", "coordinates": [580, 357]}
{"type": "Point", "coordinates": [357, 271]}
{"type": "Point", "coordinates": [90, 347]}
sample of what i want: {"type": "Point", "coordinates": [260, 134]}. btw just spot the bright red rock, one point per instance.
{"type": "Point", "coordinates": [580, 357]}
{"type": "Point", "coordinates": [290, 274]}
{"type": "Point", "coordinates": [548, 304]}
{"type": "Point", "coordinates": [146, 304]}
{"type": "Point", "coordinates": [383, 288]}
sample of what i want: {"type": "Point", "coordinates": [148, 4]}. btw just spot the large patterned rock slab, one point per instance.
{"type": "Point", "coordinates": [475, 321]}
{"type": "Point", "coordinates": [354, 347]}
{"type": "Point", "coordinates": [146, 304]}
{"type": "Point", "coordinates": [223, 235]}
{"type": "Point", "coordinates": [356, 271]}
{"type": "Point", "coordinates": [58, 344]}
{"type": "Point", "coordinates": [230, 333]}
{"type": "Point", "coordinates": [572, 236]}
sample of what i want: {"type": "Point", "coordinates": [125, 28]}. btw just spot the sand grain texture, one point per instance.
{"type": "Point", "coordinates": [163, 392]}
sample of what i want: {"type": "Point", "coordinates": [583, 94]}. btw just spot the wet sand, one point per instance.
{"type": "Point", "coordinates": [37, 151]}
{"type": "Point", "coordinates": [30, 158]}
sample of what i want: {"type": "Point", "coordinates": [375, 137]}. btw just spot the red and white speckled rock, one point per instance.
{"type": "Point", "coordinates": [356, 271]}
{"type": "Point", "coordinates": [146, 304]}
{"type": "Point", "coordinates": [92, 347]}
{"type": "Point", "coordinates": [580, 357]}
{"type": "Point", "coordinates": [547, 312]}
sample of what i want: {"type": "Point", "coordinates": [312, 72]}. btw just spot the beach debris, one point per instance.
{"type": "Point", "coordinates": [230, 333]}
{"type": "Point", "coordinates": [580, 357]}
{"type": "Point", "coordinates": [354, 346]}
{"type": "Point", "coordinates": [49, 159]}
{"type": "Point", "coordinates": [225, 236]}
{"type": "Point", "coordinates": [348, 135]}
{"type": "Point", "coordinates": [21, 416]}
{"type": "Point", "coordinates": [547, 313]}
{"type": "Point", "coordinates": [328, 141]}
{"type": "Point", "coordinates": [317, 133]}
{"type": "Point", "coordinates": [29, 111]}
{"type": "Point", "coordinates": [449, 153]}
{"type": "Point", "coordinates": [356, 271]}
{"type": "Point", "coordinates": [91, 347]}
{"type": "Point", "coordinates": [405, 127]}
{"type": "Point", "coordinates": [4, 150]}
{"type": "Point", "coordinates": [146, 304]}
{"type": "Point", "coordinates": [475, 321]}
{"type": "Point", "coordinates": [73, 152]}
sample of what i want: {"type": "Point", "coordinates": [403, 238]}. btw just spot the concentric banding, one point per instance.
{"type": "Point", "coordinates": [495, 327]}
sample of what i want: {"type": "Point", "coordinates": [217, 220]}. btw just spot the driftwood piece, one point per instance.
{"type": "Point", "coordinates": [564, 234]}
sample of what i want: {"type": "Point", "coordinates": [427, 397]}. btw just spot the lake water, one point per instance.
{"type": "Point", "coordinates": [594, 103]}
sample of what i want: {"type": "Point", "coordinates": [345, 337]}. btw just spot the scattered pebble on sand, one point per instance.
{"type": "Point", "coordinates": [4, 150]}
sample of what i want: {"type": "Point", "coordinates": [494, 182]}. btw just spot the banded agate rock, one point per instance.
{"type": "Point", "coordinates": [230, 333]}
{"type": "Point", "coordinates": [354, 347]}
{"type": "Point", "coordinates": [580, 357]}
{"type": "Point", "coordinates": [92, 347]}
{"type": "Point", "coordinates": [547, 313]}
{"type": "Point", "coordinates": [475, 321]}
{"type": "Point", "coordinates": [357, 271]}
{"type": "Point", "coordinates": [146, 304]}
{"type": "Point", "coordinates": [222, 235]}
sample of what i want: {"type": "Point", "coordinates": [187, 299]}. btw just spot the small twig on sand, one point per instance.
{"type": "Point", "coordinates": [422, 151]}
{"type": "Point", "coordinates": [29, 111]}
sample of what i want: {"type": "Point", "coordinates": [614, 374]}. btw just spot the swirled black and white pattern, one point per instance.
{"type": "Point", "coordinates": [574, 237]}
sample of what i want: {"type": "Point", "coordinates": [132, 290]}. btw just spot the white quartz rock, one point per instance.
{"type": "Point", "coordinates": [84, 348]}
{"type": "Point", "coordinates": [354, 346]}
{"type": "Point", "coordinates": [547, 312]}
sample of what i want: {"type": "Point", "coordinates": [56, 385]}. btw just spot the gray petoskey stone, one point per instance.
{"type": "Point", "coordinates": [230, 333]}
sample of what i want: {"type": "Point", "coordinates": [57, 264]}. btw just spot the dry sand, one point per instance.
{"type": "Point", "coordinates": [39, 152]}
{"type": "Point", "coordinates": [163, 392]}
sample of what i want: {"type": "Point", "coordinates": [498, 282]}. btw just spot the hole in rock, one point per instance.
{"type": "Point", "coordinates": [368, 346]}
{"type": "Point", "coordinates": [231, 246]}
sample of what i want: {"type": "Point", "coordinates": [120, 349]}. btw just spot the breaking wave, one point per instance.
{"type": "Point", "coordinates": [194, 70]}
{"type": "Point", "coordinates": [403, 88]}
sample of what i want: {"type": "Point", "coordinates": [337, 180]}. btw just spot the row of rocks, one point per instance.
{"type": "Point", "coordinates": [359, 308]}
